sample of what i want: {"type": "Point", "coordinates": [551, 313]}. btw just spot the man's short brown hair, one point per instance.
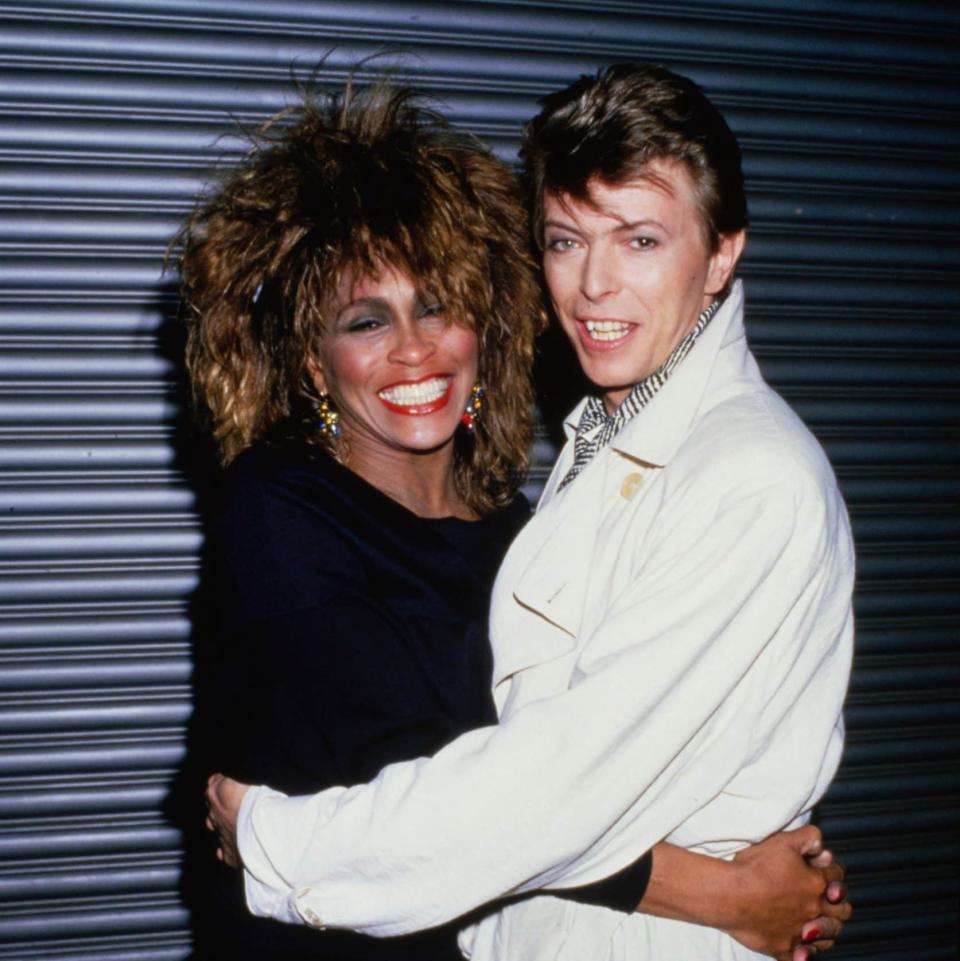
{"type": "Point", "coordinates": [611, 126]}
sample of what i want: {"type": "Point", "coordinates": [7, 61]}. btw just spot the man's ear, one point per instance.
{"type": "Point", "coordinates": [724, 260]}
{"type": "Point", "coordinates": [315, 370]}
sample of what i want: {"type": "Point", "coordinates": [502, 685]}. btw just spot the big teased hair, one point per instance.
{"type": "Point", "coordinates": [348, 183]}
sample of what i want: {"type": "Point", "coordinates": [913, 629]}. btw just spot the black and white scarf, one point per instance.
{"type": "Point", "coordinates": [596, 428]}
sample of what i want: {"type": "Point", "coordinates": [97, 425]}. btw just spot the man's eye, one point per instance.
{"type": "Point", "coordinates": [643, 243]}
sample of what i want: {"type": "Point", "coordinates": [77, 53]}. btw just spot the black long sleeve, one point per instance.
{"type": "Point", "coordinates": [352, 634]}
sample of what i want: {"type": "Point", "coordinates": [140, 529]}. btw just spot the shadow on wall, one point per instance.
{"type": "Point", "coordinates": [196, 465]}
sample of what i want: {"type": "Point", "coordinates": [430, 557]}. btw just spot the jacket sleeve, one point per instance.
{"type": "Point", "coordinates": [668, 700]}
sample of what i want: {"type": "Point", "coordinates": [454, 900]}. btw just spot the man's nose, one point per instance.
{"type": "Point", "coordinates": [597, 276]}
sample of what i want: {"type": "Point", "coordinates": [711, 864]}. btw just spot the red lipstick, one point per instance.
{"type": "Point", "coordinates": [417, 408]}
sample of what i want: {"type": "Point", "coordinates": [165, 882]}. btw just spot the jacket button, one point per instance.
{"type": "Point", "coordinates": [631, 484]}
{"type": "Point", "coordinates": [309, 915]}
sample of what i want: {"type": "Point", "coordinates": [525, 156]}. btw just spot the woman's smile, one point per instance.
{"type": "Point", "coordinates": [418, 397]}
{"type": "Point", "coordinates": [398, 367]}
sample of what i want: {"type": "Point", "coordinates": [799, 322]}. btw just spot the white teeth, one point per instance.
{"type": "Point", "coordinates": [606, 329]}
{"type": "Point", "coordinates": [413, 395]}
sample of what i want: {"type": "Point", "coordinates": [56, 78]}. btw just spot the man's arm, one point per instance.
{"type": "Point", "coordinates": [769, 897]}
{"type": "Point", "coordinates": [572, 787]}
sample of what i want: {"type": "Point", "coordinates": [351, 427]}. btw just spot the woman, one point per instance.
{"type": "Point", "coordinates": [364, 309]}
{"type": "Point", "coordinates": [371, 492]}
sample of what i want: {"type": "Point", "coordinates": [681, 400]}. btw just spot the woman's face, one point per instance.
{"type": "Point", "coordinates": [397, 366]}
{"type": "Point", "coordinates": [629, 273]}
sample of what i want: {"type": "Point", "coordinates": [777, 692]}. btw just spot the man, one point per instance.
{"type": "Point", "coordinates": [672, 630]}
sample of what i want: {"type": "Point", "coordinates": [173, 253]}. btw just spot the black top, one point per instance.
{"type": "Point", "coordinates": [352, 633]}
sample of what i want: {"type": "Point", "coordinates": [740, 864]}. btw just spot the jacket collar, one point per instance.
{"type": "Point", "coordinates": [654, 434]}
{"type": "Point", "coordinates": [547, 571]}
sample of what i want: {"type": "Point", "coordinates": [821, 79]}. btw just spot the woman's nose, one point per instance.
{"type": "Point", "coordinates": [412, 345]}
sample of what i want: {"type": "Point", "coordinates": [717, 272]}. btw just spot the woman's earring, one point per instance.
{"type": "Point", "coordinates": [329, 418]}
{"type": "Point", "coordinates": [471, 413]}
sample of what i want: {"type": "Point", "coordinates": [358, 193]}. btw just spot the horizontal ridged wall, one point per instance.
{"type": "Point", "coordinates": [112, 114]}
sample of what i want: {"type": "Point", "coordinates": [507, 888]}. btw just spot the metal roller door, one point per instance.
{"type": "Point", "coordinates": [111, 114]}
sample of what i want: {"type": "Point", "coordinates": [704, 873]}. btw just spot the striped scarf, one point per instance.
{"type": "Point", "coordinates": [596, 428]}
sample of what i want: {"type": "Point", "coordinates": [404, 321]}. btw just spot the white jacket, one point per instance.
{"type": "Point", "coordinates": [672, 639]}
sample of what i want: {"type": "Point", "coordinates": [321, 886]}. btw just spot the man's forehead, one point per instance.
{"type": "Point", "coordinates": [622, 201]}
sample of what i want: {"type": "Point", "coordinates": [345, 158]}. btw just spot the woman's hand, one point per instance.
{"type": "Point", "coordinates": [788, 885]}
{"type": "Point", "coordinates": [783, 897]}
{"type": "Point", "coordinates": [223, 807]}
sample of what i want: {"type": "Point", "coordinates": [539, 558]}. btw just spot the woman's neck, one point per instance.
{"type": "Point", "coordinates": [421, 482]}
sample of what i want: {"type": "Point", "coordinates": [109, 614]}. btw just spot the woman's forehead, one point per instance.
{"type": "Point", "coordinates": [387, 283]}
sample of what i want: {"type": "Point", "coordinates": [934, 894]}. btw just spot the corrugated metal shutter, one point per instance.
{"type": "Point", "coordinates": [110, 114]}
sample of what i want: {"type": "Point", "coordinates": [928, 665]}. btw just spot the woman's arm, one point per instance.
{"type": "Point", "coordinates": [780, 897]}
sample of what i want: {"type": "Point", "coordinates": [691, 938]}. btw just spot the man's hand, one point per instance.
{"type": "Point", "coordinates": [223, 807]}
{"type": "Point", "coordinates": [789, 883]}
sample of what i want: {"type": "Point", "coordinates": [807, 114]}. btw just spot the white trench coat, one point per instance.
{"type": "Point", "coordinates": [672, 639]}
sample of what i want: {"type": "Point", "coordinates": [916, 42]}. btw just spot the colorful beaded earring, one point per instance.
{"type": "Point", "coordinates": [471, 413]}
{"type": "Point", "coordinates": [329, 418]}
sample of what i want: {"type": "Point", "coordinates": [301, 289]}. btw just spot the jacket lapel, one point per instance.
{"type": "Point", "coordinates": [655, 434]}
{"type": "Point", "coordinates": [538, 597]}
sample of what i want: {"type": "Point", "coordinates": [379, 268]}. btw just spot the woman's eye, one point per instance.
{"type": "Point", "coordinates": [561, 244]}
{"type": "Point", "coordinates": [432, 310]}
{"type": "Point", "coordinates": [643, 243]}
{"type": "Point", "coordinates": [361, 324]}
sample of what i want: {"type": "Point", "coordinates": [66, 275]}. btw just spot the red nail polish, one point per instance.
{"type": "Point", "coordinates": [811, 935]}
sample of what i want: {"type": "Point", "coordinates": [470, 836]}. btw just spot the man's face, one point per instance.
{"type": "Point", "coordinates": [629, 272]}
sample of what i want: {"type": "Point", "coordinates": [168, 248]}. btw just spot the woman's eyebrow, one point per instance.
{"type": "Point", "coordinates": [364, 302]}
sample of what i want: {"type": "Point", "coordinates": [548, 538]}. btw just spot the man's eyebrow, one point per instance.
{"type": "Point", "coordinates": [643, 222]}
{"type": "Point", "coordinates": [623, 226]}
{"type": "Point", "coordinates": [563, 224]}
